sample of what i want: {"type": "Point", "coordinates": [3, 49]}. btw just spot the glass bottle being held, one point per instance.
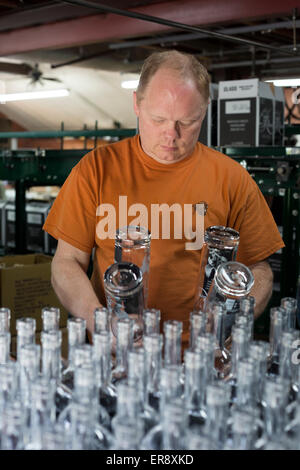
{"type": "Point", "coordinates": [220, 245]}
{"type": "Point", "coordinates": [233, 281]}
{"type": "Point", "coordinates": [132, 245]}
{"type": "Point", "coordinates": [123, 284]}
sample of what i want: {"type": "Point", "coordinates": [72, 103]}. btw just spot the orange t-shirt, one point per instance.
{"type": "Point", "coordinates": [123, 169]}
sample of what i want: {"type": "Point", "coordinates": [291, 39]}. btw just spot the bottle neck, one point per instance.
{"type": "Point", "coordinates": [51, 354]}
{"type": "Point", "coordinates": [102, 358]}
{"type": "Point", "coordinates": [172, 342]}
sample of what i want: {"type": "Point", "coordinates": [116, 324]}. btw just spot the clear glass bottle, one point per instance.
{"type": "Point", "coordinates": [101, 320]}
{"type": "Point", "coordinates": [206, 344]}
{"type": "Point", "coordinates": [84, 418]}
{"type": "Point", "coordinates": [244, 435]}
{"type": "Point", "coordinates": [245, 383]}
{"type": "Point", "coordinates": [50, 318]}
{"type": "Point", "coordinates": [244, 321]}
{"type": "Point", "coordinates": [290, 306]}
{"type": "Point", "coordinates": [26, 328]}
{"type": "Point", "coordinates": [9, 385]}
{"type": "Point", "coordinates": [124, 328]}
{"type": "Point", "coordinates": [197, 327]}
{"type": "Point", "coordinates": [123, 284]}
{"type": "Point", "coordinates": [195, 440]}
{"type": "Point", "coordinates": [4, 347]}
{"type": "Point", "coordinates": [258, 352]}
{"type": "Point", "coordinates": [195, 386]}
{"type": "Point", "coordinates": [126, 436]}
{"type": "Point", "coordinates": [220, 245]}
{"type": "Point", "coordinates": [233, 281]}
{"type": "Point", "coordinates": [239, 350]}
{"type": "Point", "coordinates": [216, 318]}
{"type": "Point", "coordinates": [51, 367]}
{"type": "Point", "coordinates": [153, 362]}
{"type": "Point", "coordinates": [151, 317]}
{"type": "Point", "coordinates": [137, 378]}
{"type": "Point", "coordinates": [170, 390]}
{"type": "Point", "coordinates": [275, 402]}
{"type": "Point", "coordinates": [132, 244]}
{"type": "Point", "coordinates": [76, 336]}
{"type": "Point", "coordinates": [287, 364]}
{"type": "Point", "coordinates": [277, 326]}
{"type": "Point", "coordinates": [54, 437]}
{"type": "Point", "coordinates": [5, 316]}
{"type": "Point", "coordinates": [172, 342]}
{"type": "Point", "coordinates": [13, 426]}
{"type": "Point", "coordinates": [42, 411]}
{"type": "Point", "coordinates": [102, 365]}
{"type": "Point", "coordinates": [128, 409]}
{"type": "Point", "coordinates": [217, 410]}
{"type": "Point", "coordinates": [174, 421]}
{"type": "Point", "coordinates": [29, 361]}
{"type": "Point", "coordinates": [247, 308]}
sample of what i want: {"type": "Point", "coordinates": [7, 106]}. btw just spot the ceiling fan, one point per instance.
{"type": "Point", "coordinates": [33, 72]}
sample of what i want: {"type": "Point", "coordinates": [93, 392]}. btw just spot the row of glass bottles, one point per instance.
{"type": "Point", "coordinates": [145, 397]}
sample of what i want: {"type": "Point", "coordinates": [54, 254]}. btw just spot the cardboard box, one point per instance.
{"type": "Point", "coordinates": [64, 345]}
{"type": "Point", "coordinates": [245, 113]}
{"type": "Point", "coordinates": [209, 129]}
{"type": "Point", "coordinates": [25, 288]}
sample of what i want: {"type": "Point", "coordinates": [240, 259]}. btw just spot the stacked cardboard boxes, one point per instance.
{"type": "Point", "coordinates": [25, 288]}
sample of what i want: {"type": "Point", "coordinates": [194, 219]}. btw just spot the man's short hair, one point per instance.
{"type": "Point", "coordinates": [185, 65]}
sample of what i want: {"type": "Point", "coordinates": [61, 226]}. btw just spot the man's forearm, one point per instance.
{"type": "Point", "coordinates": [263, 286]}
{"type": "Point", "coordinates": [74, 289]}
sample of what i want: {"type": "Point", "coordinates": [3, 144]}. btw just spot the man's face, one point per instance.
{"type": "Point", "coordinates": [170, 116]}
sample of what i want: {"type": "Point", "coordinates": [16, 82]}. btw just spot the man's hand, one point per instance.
{"type": "Point", "coordinates": [71, 283]}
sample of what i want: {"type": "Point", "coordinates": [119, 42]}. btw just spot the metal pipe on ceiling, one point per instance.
{"type": "Point", "coordinates": [171, 24]}
{"type": "Point", "coordinates": [188, 37]}
{"type": "Point", "coordinates": [246, 63]}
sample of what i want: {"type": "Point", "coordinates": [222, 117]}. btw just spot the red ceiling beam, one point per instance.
{"type": "Point", "coordinates": [106, 27]}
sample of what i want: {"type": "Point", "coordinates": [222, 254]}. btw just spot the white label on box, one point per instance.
{"type": "Point", "coordinates": [34, 219]}
{"type": "Point", "coordinates": [11, 216]}
{"type": "Point", "coordinates": [237, 107]}
{"type": "Point", "coordinates": [239, 88]}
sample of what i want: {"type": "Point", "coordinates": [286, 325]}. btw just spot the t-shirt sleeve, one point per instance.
{"type": "Point", "coordinates": [259, 234]}
{"type": "Point", "coordinates": [72, 217]}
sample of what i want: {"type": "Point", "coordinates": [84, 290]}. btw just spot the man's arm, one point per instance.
{"type": "Point", "coordinates": [71, 283]}
{"type": "Point", "coordinates": [263, 286]}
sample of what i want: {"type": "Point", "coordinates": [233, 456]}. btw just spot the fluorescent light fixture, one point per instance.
{"type": "Point", "coordinates": [286, 82]}
{"type": "Point", "coordinates": [33, 95]}
{"type": "Point", "coordinates": [130, 84]}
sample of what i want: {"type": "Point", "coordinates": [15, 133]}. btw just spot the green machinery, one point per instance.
{"type": "Point", "coordinates": [276, 170]}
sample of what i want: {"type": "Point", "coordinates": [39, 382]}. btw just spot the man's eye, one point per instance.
{"type": "Point", "coordinates": [158, 121]}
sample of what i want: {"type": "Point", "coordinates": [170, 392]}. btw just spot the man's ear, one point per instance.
{"type": "Point", "coordinates": [135, 104]}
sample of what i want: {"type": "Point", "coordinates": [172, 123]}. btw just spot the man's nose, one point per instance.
{"type": "Point", "coordinates": [172, 130]}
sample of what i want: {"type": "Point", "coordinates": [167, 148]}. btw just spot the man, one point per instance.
{"type": "Point", "coordinates": [164, 168]}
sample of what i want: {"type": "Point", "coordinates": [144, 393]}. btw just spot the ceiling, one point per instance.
{"type": "Point", "coordinates": [91, 50]}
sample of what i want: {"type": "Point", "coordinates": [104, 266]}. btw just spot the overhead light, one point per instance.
{"type": "Point", "coordinates": [289, 82]}
{"type": "Point", "coordinates": [33, 95]}
{"type": "Point", "coordinates": [130, 84]}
